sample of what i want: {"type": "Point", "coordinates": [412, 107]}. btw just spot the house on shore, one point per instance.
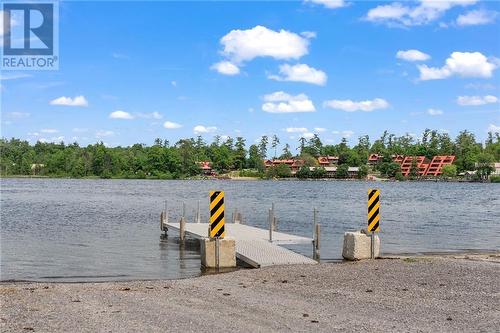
{"type": "Point", "coordinates": [331, 171]}
{"type": "Point", "coordinates": [294, 164]}
{"type": "Point", "coordinates": [206, 168]}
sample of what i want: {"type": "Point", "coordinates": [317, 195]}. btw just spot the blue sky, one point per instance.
{"type": "Point", "coordinates": [133, 71]}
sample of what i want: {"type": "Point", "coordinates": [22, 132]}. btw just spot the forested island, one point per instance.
{"type": "Point", "coordinates": [185, 158]}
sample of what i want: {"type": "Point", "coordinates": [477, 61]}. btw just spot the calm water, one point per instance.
{"type": "Point", "coordinates": [76, 230]}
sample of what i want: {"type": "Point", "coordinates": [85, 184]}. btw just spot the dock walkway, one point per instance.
{"type": "Point", "coordinates": [252, 244]}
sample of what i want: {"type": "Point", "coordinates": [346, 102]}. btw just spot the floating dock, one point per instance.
{"type": "Point", "coordinates": [253, 245]}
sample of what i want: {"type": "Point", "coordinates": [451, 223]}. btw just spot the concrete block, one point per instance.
{"type": "Point", "coordinates": [227, 253]}
{"type": "Point", "coordinates": [357, 246]}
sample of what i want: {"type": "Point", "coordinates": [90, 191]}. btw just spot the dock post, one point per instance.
{"type": "Point", "coordinates": [182, 228]}
{"type": "Point", "coordinates": [233, 218]}
{"type": "Point", "coordinates": [315, 222]}
{"type": "Point", "coordinates": [270, 220]}
{"type": "Point", "coordinates": [273, 217]}
{"type": "Point", "coordinates": [184, 209]}
{"type": "Point", "coordinates": [198, 215]}
{"type": "Point", "coordinates": [161, 221]}
{"type": "Point", "coordinates": [316, 243]}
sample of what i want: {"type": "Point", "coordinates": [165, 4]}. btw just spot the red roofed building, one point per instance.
{"type": "Point", "coordinates": [293, 164]}
{"type": "Point", "coordinates": [325, 161]}
{"type": "Point", "coordinates": [206, 167]}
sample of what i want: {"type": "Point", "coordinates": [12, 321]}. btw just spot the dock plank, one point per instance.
{"type": "Point", "coordinates": [253, 245]}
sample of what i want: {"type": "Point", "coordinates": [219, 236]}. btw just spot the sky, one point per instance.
{"type": "Point", "coordinates": [130, 72]}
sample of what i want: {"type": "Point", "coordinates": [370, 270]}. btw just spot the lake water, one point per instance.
{"type": "Point", "coordinates": [93, 230]}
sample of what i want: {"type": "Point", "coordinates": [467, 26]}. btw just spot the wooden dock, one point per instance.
{"type": "Point", "coordinates": [252, 244]}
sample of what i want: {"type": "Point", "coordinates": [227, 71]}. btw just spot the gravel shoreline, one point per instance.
{"type": "Point", "coordinates": [424, 294]}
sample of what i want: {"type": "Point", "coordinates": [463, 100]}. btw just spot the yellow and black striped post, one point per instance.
{"type": "Point", "coordinates": [217, 214]}
{"type": "Point", "coordinates": [373, 210]}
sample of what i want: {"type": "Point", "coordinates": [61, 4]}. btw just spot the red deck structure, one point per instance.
{"type": "Point", "coordinates": [425, 166]}
{"type": "Point", "coordinates": [438, 162]}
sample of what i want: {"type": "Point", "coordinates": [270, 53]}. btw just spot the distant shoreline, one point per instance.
{"type": "Point", "coordinates": [258, 179]}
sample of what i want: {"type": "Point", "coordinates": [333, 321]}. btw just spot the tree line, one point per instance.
{"type": "Point", "coordinates": [163, 160]}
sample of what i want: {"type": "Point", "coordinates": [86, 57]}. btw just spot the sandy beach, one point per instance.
{"type": "Point", "coordinates": [424, 294]}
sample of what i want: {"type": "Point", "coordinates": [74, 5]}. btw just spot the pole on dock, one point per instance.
{"type": "Point", "coordinates": [198, 215]}
{"type": "Point", "coordinates": [161, 221]}
{"type": "Point", "coordinates": [182, 228]}
{"type": "Point", "coordinates": [273, 217]}
{"type": "Point", "coordinates": [317, 242]}
{"type": "Point", "coordinates": [184, 209]}
{"type": "Point", "coordinates": [270, 220]}
{"type": "Point", "coordinates": [233, 217]}
{"type": "Point", "coordinates": [315, 223]}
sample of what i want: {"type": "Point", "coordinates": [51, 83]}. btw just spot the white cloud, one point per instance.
{"type": "Point", "coordinates": [351, 106]}
{"type": "Point", "coordinates": [117, 55]}
{"type": "Point", "coordinates": [300, 73]}
{"type": "Point", "coordinates": [434, 112]}
{"type": "Point", "coordinates": [412, 55]}
{"type": "Point", "coordinates": [54, 139]}
{"type": "Point", "coordinates": [68, 101]}
{"type": "Point", "coordinates": [103, 133]}
{"type": "Point", "coordinates": [463, 64]}
{"type": "Point", "coordinates": [120, 115]}
{"type": "Point", "coordinates": [476, 100]}
{"type": "Point", "coordinates": [308, 34]}
{"type": "Point", "coordinates": [80, 130]}
{"type": "Point", "coordinates": [171, 125]}
{"type": "Point", "coordinates": [226, 68]}
{"type": "Point", "coordinates": [153, 115]}
{"type": "Point", "coordinates": [18, 115]}
{"type": "Point", "coordinates": [245, 45]}
{"type": "Point", "coordinates": [296, 130]}
{"type": "Point", "coordinates": [199, 129]}
{"type": "Point", "coordinates": [345, 134]}
{"type": "Point", "coordinates": [173, 83]}
{"type": "Point", "coordinates": [427, 11]}
{"type": "Point", "coordinates": [331, 4]}
{"type": "Point", "coordinates": [319, 129]}
{"type": "Point", "coordinates": [307, 135]}
{"type": "Point", "coordinates": [494, 128]}
{"type": "Point", "coordinates": [477, 17]}
{"type": "Point", "coordinates": [49, 130]}
{"type": "Point", "coordinates": [281, 102]}
{"type": "Point", "coordinates": [480, 86]}
{"type": "Point", "coordinates": [13, 76]}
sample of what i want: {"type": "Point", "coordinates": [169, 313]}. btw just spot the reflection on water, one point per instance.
{"type": "Point", "coordinates": [97, 230]}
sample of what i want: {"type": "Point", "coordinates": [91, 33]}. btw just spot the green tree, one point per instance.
{"type": "Point", "coordinates": [362, 172]}
{"type": "Point", "coordinates": [303, 172]}
{"type": "Point", "coordinates": [263, 146]}
{"type": "Point", "coordinates": [286, 152]}
{"type": "Point", "coordinates": [274, 143]}
{"type": "Point", "coordinates": [449, 171]}
{"type": "Point", "coordinates": [484, 165]}
{"type": "Point", "coordinates": [342, 171]}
